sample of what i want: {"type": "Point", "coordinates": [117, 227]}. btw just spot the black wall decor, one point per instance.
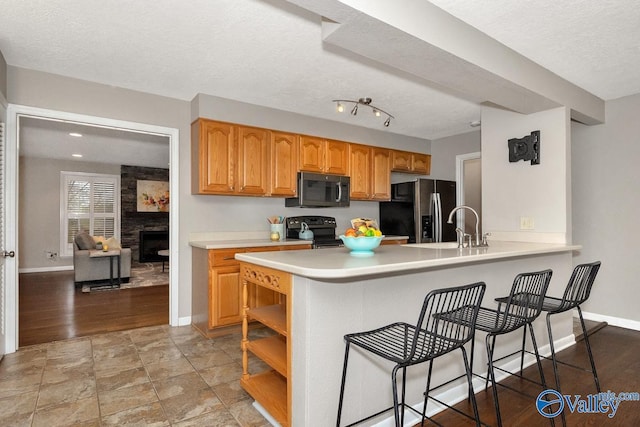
{"type": "Point", "coordinates": [525, 148]}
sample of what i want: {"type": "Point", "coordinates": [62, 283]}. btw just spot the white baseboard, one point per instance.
{"type": "Point", "coordinates": [184, 321]}
{"type": "Point", "coordinates": [613, 321]}
{"type": "Point", "coordinates": [265, 414]}
{"type": "Point", "coordinates": [45, 269]}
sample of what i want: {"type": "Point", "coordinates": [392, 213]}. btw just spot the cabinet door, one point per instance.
{"type": "Point", "coordinates": [284, 164]}
{"type": "Point", "coordinates": [360, 172]}
{"type": "Point", "coordinates": [225, 298]}
{"type": "Point", "coordinates": [400, 161]}
{"type": "Point", "coordinates": [311, 153]}
{"type": "Point", "coordinates": [253, 160]}
{"type": "Point", "coordinates": [421, 163]}
{"type": "Point", "coordinates": [213, 145]}
{"type": "Point", "coordinates": [337, 158]}
{"type": "Point", "coordinates": [380, 174]}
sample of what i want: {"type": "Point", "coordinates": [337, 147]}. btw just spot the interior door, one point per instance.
{"type": "Point", "coordinates": [3, 282]}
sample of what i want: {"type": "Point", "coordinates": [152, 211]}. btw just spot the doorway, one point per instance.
{"type": "Point", "coordinates": [16, 114]}
{"type": "Point", "coordinates": [469, 189]}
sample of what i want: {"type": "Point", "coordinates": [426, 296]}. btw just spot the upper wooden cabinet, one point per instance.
{"type": "Point", "coordinates": [284, 163]}
{"type": "Point", "coordinates": [212, 157]}
{"type": "Point", "coordinates": [405, 161]}
{"type": "Point", "coordinates": [232, 159]}
{"type": "Point", "coordinates": [253, 161]}
{"type": "Point", "coordinates": [229, 159]}
{"type": "Point", "coordinates": [324, 155]}
{"type": "Point", "coordinates": [370, 173]}
{"type": "Point", "coordinates": [380, 174]}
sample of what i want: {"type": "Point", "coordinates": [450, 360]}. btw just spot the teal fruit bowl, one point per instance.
{"type": "Point", "coordinates": [363, 246]}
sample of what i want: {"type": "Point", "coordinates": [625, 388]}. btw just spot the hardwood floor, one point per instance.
{"type": "Point", "coordinates": [616, 355]}
{"type": "Point", "coordinates": [51, 308]}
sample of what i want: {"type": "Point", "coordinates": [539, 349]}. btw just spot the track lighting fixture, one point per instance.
{"type": "Point", "coordinates": [363, 101]}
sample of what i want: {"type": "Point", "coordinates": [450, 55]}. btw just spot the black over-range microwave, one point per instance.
{"type": "Point", "coordinates": [320, 191]}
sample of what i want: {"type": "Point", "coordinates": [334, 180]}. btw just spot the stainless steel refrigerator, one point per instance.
{"type": "Point", "coordinates": [419, 209]}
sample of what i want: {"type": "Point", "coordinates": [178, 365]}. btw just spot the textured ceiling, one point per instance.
{"type": "Point", "coordinates": [271, 53]}
{"type": "Point", "coordinates": [594, 44]}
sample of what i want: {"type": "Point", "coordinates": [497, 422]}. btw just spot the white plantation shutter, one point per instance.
{"type": "Point", "coordinates": [91, 203]}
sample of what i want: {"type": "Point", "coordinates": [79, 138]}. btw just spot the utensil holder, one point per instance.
{"type": "Point", "coordinates": [279, 228]}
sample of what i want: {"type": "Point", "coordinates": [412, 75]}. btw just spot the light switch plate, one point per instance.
{"type": "Point", "coordinates": [526, 223]}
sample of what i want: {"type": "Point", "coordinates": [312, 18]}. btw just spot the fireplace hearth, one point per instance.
{"type": "Point", "coordinates": [151, 242]}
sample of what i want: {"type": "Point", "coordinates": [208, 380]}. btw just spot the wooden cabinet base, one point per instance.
{"type": "Point", "coordinates": [269, 389]}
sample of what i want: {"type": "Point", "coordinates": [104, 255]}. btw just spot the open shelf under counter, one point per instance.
{"type": "Point", "coordinates": [272, 351]}
{"type": "Point", "coordinates": [269, 389]}
{"type": "Point", "coordinates": [273, 316]}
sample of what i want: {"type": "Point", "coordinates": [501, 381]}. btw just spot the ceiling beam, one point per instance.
{"type": "Point", "coordinates": [419, 38]}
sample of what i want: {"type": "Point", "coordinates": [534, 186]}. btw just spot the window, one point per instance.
{"type": "Point", "coordinates": [90, 202]}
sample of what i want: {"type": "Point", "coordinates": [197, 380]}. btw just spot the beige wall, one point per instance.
{"type": "Point", "coordinates": [3, 78]}
{"type": "Point", "coordinates": [606, 207]}
{"type": "Point", "coordinates": [39, 206]}
{"type": "Point", "coordinates": [198, 213]}
{"type": "Point", "coordinates": [445, 150]}
{"type": "Point", "coordinates": [43, 90]}
{"type": "Point", "coordinates": [513, 190]}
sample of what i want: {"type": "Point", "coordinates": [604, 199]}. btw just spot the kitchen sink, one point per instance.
{"type": "Point", "coordinates": [437, 245]}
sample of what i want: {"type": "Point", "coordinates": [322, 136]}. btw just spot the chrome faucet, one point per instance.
{"type": "Point", "coordinates": [457, 208]}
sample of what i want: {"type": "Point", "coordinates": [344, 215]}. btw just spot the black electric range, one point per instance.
{"type": "Point", "coordinates": [323, 227]}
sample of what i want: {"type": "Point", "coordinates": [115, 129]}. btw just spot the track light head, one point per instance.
{"type": "Point", "coordinates": [340, 107]}
{"type": "Point", "coordinates": [355, 110]}
{"type": "Point", "coordinates": [387, 122]}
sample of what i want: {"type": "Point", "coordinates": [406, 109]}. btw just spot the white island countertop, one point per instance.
{"type": "Point", "coordinates": [338, 263]}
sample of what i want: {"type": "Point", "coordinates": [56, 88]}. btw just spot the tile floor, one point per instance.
{"type": "Point", "coordinates": [156, 376]}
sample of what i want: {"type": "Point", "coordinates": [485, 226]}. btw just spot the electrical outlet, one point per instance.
{"type": "Point", "coordinates": [50, 255]}
{"type": "Point", "coordinates": [526, 223]}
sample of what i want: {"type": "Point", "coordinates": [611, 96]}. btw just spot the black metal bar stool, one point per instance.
{"type": "Point", "coordinates": [518, 310]}
{"type": "Point", "coordinates": [440, 330]}
{"type": "Point", "coordinates": [577, 291]}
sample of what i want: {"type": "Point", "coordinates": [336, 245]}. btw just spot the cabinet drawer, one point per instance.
{"type": "Point", "coordinates": [220, 257]}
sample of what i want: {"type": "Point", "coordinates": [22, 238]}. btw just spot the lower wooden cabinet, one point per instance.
{"type": "Point", "coordinates": [394, 242]}
{"type": "Point", "coordinates": [217, 291]}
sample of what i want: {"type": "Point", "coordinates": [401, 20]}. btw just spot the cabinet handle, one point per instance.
{"type": "Point", "coordinates": [228, 258]}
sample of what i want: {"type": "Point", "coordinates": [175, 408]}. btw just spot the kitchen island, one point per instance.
{"type": "Point", "coordinates": [332, 293]}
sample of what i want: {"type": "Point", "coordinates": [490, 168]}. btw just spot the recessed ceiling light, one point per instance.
{"type": "Point", "coordinates": [75, 134]}
{"type": "Point", "coordinates": [76, 155]}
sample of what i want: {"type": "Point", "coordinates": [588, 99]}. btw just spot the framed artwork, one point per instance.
{"type": "Point", "coordinates": [152, 196]}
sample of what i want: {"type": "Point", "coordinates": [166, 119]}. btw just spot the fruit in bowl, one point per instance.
{"type": "Point", "coordinates": [362, 231]}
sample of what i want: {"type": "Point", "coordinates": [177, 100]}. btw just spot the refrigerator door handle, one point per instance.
{"type": "Point", "coordinates": [438, 218]}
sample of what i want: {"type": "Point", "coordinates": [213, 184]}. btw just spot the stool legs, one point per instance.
{"type": "Point", "coordinates": [555, 361]}
{"type": "Point", "coordinates": [555, 364]}
{"type": "Point", "coordinates": [344, 376]}
{"type": "Point", "coordinates": [586, 341]}
{"type": "Point", "coordinates": [490, 342]}
{"type": "Point", "coordinates": [472, 395]}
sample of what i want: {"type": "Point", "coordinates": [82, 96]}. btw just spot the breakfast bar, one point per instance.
{"type": "Point", "coordinates": [332, 293]}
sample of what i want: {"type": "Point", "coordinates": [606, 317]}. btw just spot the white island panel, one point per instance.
{"type": "Point", "coordinates": [324, 311]}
